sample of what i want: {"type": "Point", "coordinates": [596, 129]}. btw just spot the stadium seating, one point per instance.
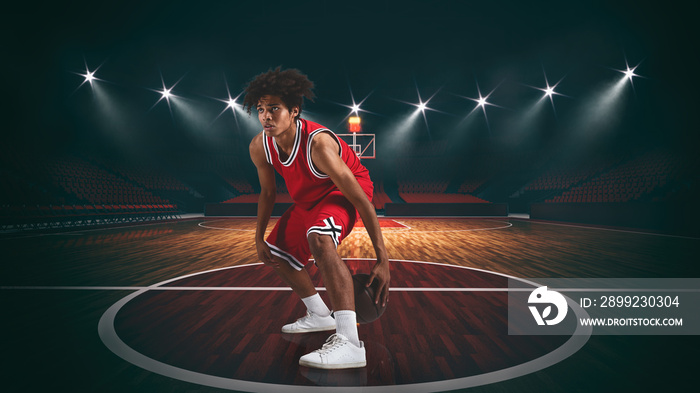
{"type": "Point", "coordinates": [634, 180]}
{"type": "Point", "coordinates": [253, 198]}
{"type": "Point", "coordinates": [69, 191]}
{"type": "Point", "coordinates": [440, 198]}
{"type": "Point", "coordinates": [425, 179]}
{"type": "Point", "coordinates": [380, 198]}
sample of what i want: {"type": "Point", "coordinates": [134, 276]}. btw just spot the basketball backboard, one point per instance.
{"type": "Point", "coordinates": [362, 144]}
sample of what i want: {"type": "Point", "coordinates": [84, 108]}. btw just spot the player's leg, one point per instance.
{"type": "Point", "coordinates": [298, 280]}
{"type": "Point", "coordinates": [287, 243]}
{"type": "Point", "coordinates": [329, 223]}
{"type": "Point", "coordinates": [318, 317]}
{"type": "Point", "coordinates": [343, 349]}
{"type": "Point", "coordinates": [338, 281]}
{"type": "Point", "coordinates": [335, 273]}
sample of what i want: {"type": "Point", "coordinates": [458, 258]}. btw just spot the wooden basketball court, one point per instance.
{"type": "Point", "coordinates": [185, 306]}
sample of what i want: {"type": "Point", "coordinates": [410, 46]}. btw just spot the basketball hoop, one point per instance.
{"type": "Point", "coordinates": [361, 144]}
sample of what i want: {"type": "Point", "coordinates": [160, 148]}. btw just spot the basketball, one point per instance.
{"type": "Point", "coordinates": [365, 308]}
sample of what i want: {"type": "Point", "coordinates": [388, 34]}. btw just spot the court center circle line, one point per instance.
{"type": "Point", "coordinates": [113, 342]}
{"type": "Point", "coordinates": [509, 224]}
{"type": "Point", "coordinates": [223, 229]}
{"type": "Point", "coordinates": [407, 230]}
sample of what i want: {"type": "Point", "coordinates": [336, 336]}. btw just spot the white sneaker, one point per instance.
{"type": "Point", "coordinates": [310, 323]}
{"type": "Point", "coordinates": [337, 352]}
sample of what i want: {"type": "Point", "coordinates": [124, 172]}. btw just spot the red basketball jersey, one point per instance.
{"type": "Point", "coordinates": [306, 184]}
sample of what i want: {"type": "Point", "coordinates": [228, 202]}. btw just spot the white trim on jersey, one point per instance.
{"type": "Point", "coordinates": [278, 252]}
{"type": "Point", "coordinates": [266, 147]}
{"type": "Point", "coordinates": [331, 229]}
{"type": "Point", "coordinates": [315, 171]}
{"type": "Point", "coordinates": [295, 150]}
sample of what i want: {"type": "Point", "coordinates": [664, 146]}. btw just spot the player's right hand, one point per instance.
{"type": "Point", "coordinates": [265, 255]}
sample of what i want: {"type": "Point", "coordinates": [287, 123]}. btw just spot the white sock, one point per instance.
{"type": "Point", "coordinates": [316, 305]}
{"type": "Point", "coordinates": [346, 324]}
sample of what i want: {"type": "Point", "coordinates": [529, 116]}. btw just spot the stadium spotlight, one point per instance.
{"type": "Point", "coordinates": [89, 76]}
{"type": "Point", "coordinates": [629, 73]}
{"type": "Point", "coordinates": [549, 91]}
{"type": "Point", "coordinates": [231, 103]}
{"type": "Point", "coordinates": [355, 108]}
{"type": "Point", "coordinates": [421, 108]}
{"type": "Point", "coordinates": [235, 107]}
{"type": "Point", "coordinates": [481, 102]}
{"type": "Point", "coordinates": [166, 93]}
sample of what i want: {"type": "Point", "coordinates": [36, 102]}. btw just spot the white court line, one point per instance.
{"type": "Point", "coordinates": [509, 224]}
{"type": "Point", "coordinates": [400, 223]}
{"type": "Point", "coordinates": [386, 230]}
{"type": "Point", "coordinates": [201, 224]}
{"type": "Point", "coordinates": [223, 229]}
{"type": "Point", "coordinates": [611, 229]}
{"type": "Point", "coordinates": [151, 288]}
{"type": "Point", "coordinates": [410, 230]}
{"type": "Point", "coordinates": [282, 289]}
{"type": "Point", "coordinates": [110, 338]}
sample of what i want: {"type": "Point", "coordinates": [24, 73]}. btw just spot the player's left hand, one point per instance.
{"type": "Point", "coordinates": [380, 272]}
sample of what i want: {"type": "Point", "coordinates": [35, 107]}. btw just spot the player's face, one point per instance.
{"type": "Point", "coordinates": [274, 115]}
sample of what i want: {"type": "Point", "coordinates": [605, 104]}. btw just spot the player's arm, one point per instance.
{"type": "Point", "coordinates": [324, 153]}
{"type": "Point", "coordinates": [266, 201]}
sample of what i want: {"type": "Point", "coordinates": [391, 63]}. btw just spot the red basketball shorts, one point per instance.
{"type": "Point", "coordinates": [334, 216]}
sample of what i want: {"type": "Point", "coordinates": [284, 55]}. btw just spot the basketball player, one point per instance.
{"type": "Point", "coordinates": [329, 187]}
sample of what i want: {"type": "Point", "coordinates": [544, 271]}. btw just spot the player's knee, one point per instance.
{"type": "Point", "coordinates": [319, 243]}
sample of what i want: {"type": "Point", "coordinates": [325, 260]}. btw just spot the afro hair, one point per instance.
{"type": "Point", "coordinates": [290, 85]}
